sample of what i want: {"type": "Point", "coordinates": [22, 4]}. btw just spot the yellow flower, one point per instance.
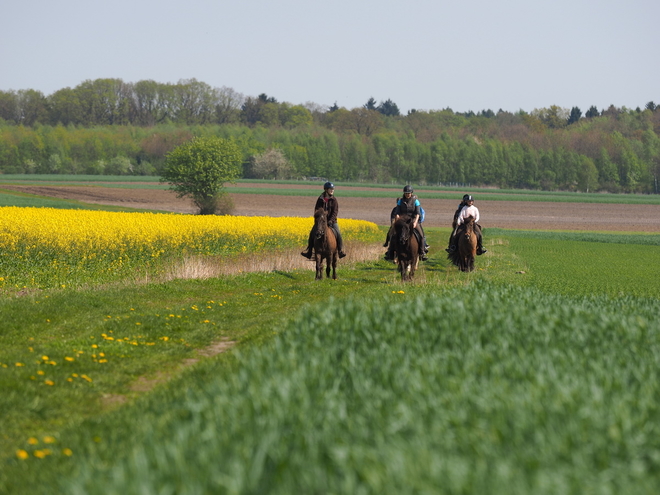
{"type": "Point", "coordinates": [67, 452]}
{"type": "Point", "coordinates": [20, 364]}
{"type": "Point", "coordinates": [49, 382]}
{"type": "Point", "coordinates": [22, 454]}
{"type": "Point", "coordinates": [33, 441]}
{"type": "Point", "coordinates": [70, 359]}
{"type": "Point", "coordinates": [49, 439]}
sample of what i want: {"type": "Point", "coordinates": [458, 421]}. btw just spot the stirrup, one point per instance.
{"type": "Point", "coordinates": [307, 254]}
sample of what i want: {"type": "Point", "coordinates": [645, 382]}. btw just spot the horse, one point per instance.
{"type": "Point", "coordinates": [466, 250]}
{"type": "Point", "coordinates": [406, 246]}
{"type": "Point", "coordinates": [325, 245]}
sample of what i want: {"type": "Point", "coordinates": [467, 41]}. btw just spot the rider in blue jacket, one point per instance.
{"type": "Point", "coordinates": [408, 205]}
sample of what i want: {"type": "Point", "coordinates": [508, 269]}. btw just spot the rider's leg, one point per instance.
{"type": "Point", "coordinates": [452, 241]}
{"type": "Point", "coordinates": [423, 248]}
{"type": "Point", "coordinates": [389, 234]}
{"type": "Point", "coordinates": [340, 241]}
{"type": "Point", "coordinates": [480, 247]}
{"type": "Point", "coordinates": [307, 253]}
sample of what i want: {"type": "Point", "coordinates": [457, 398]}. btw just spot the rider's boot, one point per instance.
{"type": "Point", "coordinates": [389, 255]}
{"type": "Point", "coordinates": [481, 250]}
{"type": "Point", "coordinates": [451, 248]}
{"type": "Point", "coordinates": [307, 253]}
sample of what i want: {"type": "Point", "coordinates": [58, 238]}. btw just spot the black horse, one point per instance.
{"type": "Point", "coordinates": [325, 245]}
{"type": "Point", "coordinates": [406, 246]}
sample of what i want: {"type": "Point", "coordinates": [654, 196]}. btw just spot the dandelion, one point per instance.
{"type": "Point", "coordinates": [41, 372]}
{"type": "Point", "coordinates": [45, 358]}
{"type": "Point", "coordinates": [49, 439]}
{"type": "Point", "coordinates": [85, 377]}
{"type": "Point", "coordinates": [22, 454]}
{"type": "Point", "coordinates": [67, 452]}
{"type": "Point", "coordinates": [20, 364]}
{"type": "Point", "coordinates": [33, 441]}
{"type": "Point", "coordinates": [49, 382]}
{"type": "Point", "coordinates": [41, 453]}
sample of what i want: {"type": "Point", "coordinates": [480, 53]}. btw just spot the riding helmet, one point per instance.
{"type": "Point", "coordinates": [408, 189]}
{"type": "Point", "coordinates": [466, 197]}
{"type": "Point", "coordinates": [328, 185]}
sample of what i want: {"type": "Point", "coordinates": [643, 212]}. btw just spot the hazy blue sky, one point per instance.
{"type": "Point", "coordinates": [423, 54]}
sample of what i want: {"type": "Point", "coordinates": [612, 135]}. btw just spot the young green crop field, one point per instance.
{"type": "Point", "coordinates": [537, 373]}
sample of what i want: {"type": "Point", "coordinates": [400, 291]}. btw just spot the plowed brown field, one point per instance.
{"type": "Point", "coordinates": [504, 214]}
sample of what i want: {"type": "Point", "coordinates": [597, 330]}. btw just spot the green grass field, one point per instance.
{"type": "Point", "coordinates": [537, 373]}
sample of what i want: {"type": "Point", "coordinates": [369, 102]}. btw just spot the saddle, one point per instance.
{"type": "Point", "coordinates": [418, 236]}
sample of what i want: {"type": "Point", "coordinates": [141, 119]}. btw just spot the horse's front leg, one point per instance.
{"type": "Point", "coordinates": [319, 266]}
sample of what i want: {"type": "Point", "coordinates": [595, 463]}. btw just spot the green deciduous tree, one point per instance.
{"type": "Point", "coordinates": [199, 169]}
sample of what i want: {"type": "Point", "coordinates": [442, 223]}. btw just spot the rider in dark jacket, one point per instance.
{"type": "Point", "coordinates": [409, 205]}
{"type": "Point", "coordinates": [329, 203]}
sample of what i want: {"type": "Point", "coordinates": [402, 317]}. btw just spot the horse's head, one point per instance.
{"type": "Point", "coordinates": [469, 226]}
{"type": "Point", "coordinates": [320, 223]}
{"type": "Point", "coordinates": [403, 228]}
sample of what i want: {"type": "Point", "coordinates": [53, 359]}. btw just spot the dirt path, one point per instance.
{"type": "Point", "coordinates": [503, 214]}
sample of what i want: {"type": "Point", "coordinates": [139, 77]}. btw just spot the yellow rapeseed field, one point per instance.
{"type": "Point", "coordinates": [38, 243]}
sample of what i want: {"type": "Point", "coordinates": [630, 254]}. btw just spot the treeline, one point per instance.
{"type": "Point", "coordinates": [111, 127]}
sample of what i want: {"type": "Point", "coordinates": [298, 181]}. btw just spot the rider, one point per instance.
{"type": "Point", "coordinates": [409, 205]}
{"type": "Point", "coordinates": [329, 203]}
{"type": "Point", "coordinates": [466, 209]}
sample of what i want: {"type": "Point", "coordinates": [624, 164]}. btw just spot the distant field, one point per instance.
{"type": "Point", "coordinates": [348, 189]}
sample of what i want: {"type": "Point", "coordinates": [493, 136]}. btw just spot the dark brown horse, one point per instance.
{"type": "Point", "coordinates": [466, 250]}
{"type": "Point", "coordinates": [406, 246]}
{"type": "Point", "coordinates": [325, 245]}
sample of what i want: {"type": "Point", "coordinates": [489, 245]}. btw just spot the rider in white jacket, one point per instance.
{"type": "Point", "coordinates": [468, 210]}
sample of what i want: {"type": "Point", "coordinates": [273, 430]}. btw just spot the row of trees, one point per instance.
{"type": "Point", "coordinates": [588, 160]}
{"type": "Point", "coordinates": [192, 102]}
{"type": "Point", "coordinates": [107, 126]}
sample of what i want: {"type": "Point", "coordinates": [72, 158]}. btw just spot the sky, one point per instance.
{"type": "Point", "coordinates": [421, 54]}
